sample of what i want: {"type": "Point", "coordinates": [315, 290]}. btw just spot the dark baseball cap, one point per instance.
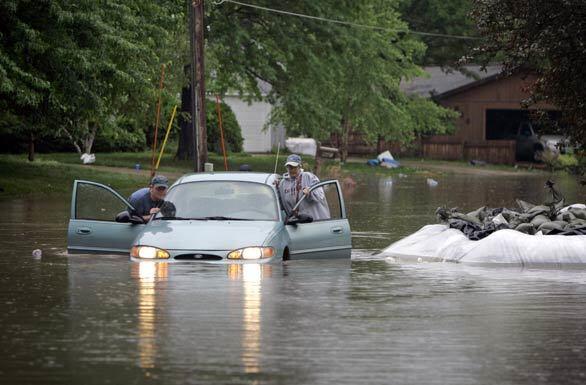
{"type": "Point", "coordinates": [160, 180]}
{"type": "Point", "coordinates": [293, 160]}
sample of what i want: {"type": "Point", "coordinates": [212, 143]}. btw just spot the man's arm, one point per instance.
{"type": "Point", "coordinates": [317, 194]}
{"type": "Point", "coordinates": [139, 208]}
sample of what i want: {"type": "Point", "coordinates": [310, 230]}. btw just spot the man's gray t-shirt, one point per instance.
{"type": "Point", "coordinates": [142, 202]}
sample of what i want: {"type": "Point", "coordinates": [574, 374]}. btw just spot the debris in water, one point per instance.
{"type": "Point", "coordinates": [37, 253]}
{"type": "Point", "coordinates": [432, 182]}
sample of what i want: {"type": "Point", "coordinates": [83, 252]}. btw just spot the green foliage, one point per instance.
{"type": "Point", "coordinates": [451, 17]}
{"type": "Point", "coordinates": [547, 38]}
{"type": "Point", "coordinates": [232, 132]}
{"type": "Point", "coordinates": [77, 67]}
{"type": "Point", "coordinates": [90, 70]}
{"type": "Point", "coordinates": [324, 77]}
{"type": "Point", "coordinates": [120, 134]}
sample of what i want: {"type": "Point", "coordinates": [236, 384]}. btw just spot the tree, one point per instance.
{"type": "Point", "coordinates": [23, 88]}
{"type": "Point", "coordinates": [547, 38]}
{"type": "Point", "coordinates": [450, 17]}
{"type": "Point", "coordinates": [76, 67]}
{"type": "Point", "coordinates": [325, 77]}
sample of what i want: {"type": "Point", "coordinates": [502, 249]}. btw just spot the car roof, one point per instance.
{"type": "Point", "coordinates": [242, 176]}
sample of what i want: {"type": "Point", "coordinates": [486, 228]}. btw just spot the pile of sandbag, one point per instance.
{"type": "Point", "coordinates": [531, 234]}
{"type": "Point", "coordinates": [529, 219]}
{"type": "Point", "coordinates": [439, 243]}
{"type": "Point", "coordinates": [549, 218]}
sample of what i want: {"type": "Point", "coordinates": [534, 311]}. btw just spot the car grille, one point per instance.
{"type": "Point", "coordinates": [198, 257]}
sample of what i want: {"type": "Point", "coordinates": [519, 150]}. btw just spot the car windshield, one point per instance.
{"type": "Point", "coordinates": [220, 200]}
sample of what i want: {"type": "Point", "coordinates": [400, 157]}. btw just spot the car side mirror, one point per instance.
{"type": "Point", "coordinates": [301, 218]}
{"type": "Point", "coordinates": [126, 217]}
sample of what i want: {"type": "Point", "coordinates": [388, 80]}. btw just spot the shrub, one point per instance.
{"type": "Point", "coordinates": [232, 131]}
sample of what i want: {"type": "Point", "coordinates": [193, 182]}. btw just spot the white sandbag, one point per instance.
{"type": "Point", "coordinates": [574, 206]}
{"type": "Point", "coordinates": [439, 242]}
{"type": "Point", "coordinates": [304, 146]}
{"type": "Point", "coordinates": [385, 155]}
{"type": "Point", "coordinates": [424, 243]}
{"type": "Point", "coordinates": [88, 158]}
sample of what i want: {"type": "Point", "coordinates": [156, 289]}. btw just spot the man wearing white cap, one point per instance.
{"type": "Point", "coordinates": [296, 183]}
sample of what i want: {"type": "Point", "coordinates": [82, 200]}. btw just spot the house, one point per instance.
{"type": "Point", "coordinates": [252, 118]}
{"type": "Point", "coordinates": [491, 111]}
{"type": "Point", "coordinates": [490, 107]}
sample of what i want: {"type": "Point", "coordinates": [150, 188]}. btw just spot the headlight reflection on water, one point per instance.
{"type": "Point", "coordinates": [149, 274]}
{"type": "Point", "coordinates": [251, 276]}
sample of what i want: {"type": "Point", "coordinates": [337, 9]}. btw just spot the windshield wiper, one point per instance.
{"type": "Point", "coordinates": [213, 218]}
{"type": "Point", "coordinates": [178, 219]}
{"type": "Point", "coordinates": [222, 218]}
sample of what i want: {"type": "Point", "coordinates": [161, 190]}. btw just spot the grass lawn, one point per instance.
{"type": "Point", "coordinates": [258, 162]}
{"type": "Point", "coordinates": [18, 177]}
{"type": "Point", "coordinates": [261, 163]}
{"type": "Point", "coordinates": [54, 173]}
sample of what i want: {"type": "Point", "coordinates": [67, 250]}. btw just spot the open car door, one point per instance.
{"type": "Point", "coordinates": [323, 238]}
{"type": "Point", "coordinates": [92, 225]}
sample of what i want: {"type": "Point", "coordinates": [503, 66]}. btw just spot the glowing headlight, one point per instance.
{"type": "Point", "coordinates": [252, 253]}
{"type": "Point", "coordinates": [148, 252]}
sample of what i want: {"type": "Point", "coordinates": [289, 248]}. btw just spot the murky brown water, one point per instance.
{"type": "Point", "coordinates": [103, 319]}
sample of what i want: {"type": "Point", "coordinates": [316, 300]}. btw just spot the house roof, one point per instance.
{"type": "Point", "coordinates": [441, 83]}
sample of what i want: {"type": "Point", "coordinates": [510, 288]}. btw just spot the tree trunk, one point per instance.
{"type": "Point", "coordinates": [88, 141]}
{"type": "Point", "coordinates": [346, 127]}
{"type": "Point", "coordinates": [318, 160]}
{"type": "Point", "coordinates": [73, 141]}
{"type": "Point", "coordinates": [380, 144]}
{"type": "Point", "coordinates": [31, 148]}
{"type": "Point", "coordinates": [186, 147]}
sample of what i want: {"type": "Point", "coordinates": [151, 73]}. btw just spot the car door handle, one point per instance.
{"type": "Point", "coordinates": [84, 230]}
{"type": "Point", "coordinates": [337, 230]}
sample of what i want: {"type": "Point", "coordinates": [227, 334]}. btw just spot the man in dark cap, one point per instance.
{"type": "Point", "coordinates": [147, 201]}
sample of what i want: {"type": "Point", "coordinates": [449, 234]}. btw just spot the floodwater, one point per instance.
{"type": "Point", "coordinates": [106, 320]}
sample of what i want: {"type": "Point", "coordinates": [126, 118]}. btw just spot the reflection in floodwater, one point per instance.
{"type": "Point", "coordinates": [251, 275]}
{"type": "Point", "coordinates": [149, 274]}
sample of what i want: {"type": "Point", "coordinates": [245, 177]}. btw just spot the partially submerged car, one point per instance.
{"type": "Point", "coordinates": [535, 148]}
{"type": "Point", "coordinates": [232, 216]}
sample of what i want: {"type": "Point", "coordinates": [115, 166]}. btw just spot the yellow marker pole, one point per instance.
{"type": "Point", "coordinates": [157, 119]}
{"type": "Point", "coordinates": [166, 137]}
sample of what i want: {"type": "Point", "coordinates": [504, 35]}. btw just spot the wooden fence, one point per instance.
{"type": "Point", "coordinates": [441, 147]}
{"type": "Point", "coordinates": [450, 148]}
{"type": "Point", "coordinates": [357, 145]}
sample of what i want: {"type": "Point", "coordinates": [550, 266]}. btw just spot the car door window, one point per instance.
{"type": "Point", "coordinates": [96, 202]}
{"type": "Point", "coordinates": [326, 193]}
{"type": "Point", "coordinates": [332, 196]}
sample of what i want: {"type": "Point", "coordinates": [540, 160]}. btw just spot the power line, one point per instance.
{"type": "Point", "coordinates": [348, 23]}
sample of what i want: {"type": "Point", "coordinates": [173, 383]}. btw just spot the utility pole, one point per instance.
{"type": "Point", "coordinates": [198, 92]}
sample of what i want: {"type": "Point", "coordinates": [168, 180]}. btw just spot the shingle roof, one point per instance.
{"type": "Point", "coordinates": [441, 82]}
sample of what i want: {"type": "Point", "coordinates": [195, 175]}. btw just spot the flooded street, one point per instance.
{"type": "Point", "coordinates": [106, 320]}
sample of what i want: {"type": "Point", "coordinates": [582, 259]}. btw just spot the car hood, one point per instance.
{"type": "Point", "coordinates": [205, 235]}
